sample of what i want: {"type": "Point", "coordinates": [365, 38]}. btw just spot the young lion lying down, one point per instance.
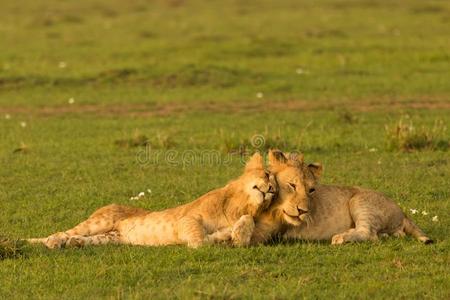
{"type": "Point", "coordinates": [349, 214]}
{"type": "Point", "coordinates": [208, 219]}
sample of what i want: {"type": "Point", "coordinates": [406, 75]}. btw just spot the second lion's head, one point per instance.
{"type": "Point", "coordinates": [296, 182]}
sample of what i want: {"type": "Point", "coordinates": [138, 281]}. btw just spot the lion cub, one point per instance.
{"type": "Point", "coordinates": [350, 214]}
{"type": "Point", "coordinates": [212, 218]}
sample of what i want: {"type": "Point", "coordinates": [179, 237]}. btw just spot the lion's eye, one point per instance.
{"type": "Point", "coordinates": [267, 175]}
{"type": "Point", "coordinates": [255, 187]}
{"type": "Point", "coordinates": [292, 185]}
{"type": "Point", "coordinates": [311, 190]}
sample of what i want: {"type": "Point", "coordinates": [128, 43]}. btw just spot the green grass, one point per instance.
{"type": "Point", "coordinates": [183, 78]}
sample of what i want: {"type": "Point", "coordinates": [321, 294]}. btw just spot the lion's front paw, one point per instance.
{"type": "Point", "coordinates": [194, 244]}
{"type": "Point", "coordinates": [220, 236]}
{"type": "Point", "coordinates": [242, 231]}
{"type": "Point", "coordinates": [338, 239]}
{"type": "Point", "coordinates": [383, 235]}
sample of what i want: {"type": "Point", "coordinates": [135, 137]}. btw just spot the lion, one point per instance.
{"type": "Point", "coordinates": [347, 214]}
{"type": "Point", "coordinates": [218, 216]}
{"type": "Point", "coordinates": [325, 212]}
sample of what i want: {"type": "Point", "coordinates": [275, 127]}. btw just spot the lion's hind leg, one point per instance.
{"type": "Point", "coordinates": [366, 221]}
{"type": "Point", "coordinates": [192, 232]}
{"type": "Point", "coordinates": [101, 221]}
{"type": "Point", "coordinates": [105, 219]}
{"type": "Point", "coordinates": [111, 237]}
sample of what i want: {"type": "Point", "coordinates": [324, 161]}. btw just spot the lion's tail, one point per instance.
{"type": "Point", "coordinates": [36, 240]}
{"type": "Point", "coordinates": [412, 229]}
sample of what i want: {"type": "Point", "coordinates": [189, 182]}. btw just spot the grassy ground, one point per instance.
{"type": "Point", "coordinates": [199, 79]}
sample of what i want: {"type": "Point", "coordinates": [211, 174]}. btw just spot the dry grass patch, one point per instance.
{"type": "Point", "coordinates": [405, 136]}
{"type": "Point", "coordinates": [137, 139]}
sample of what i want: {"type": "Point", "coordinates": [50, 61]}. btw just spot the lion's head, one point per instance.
{"type": "Point", "coordinates": [296, 183]}
{"type": "Point", "coordinates": [257, 184]}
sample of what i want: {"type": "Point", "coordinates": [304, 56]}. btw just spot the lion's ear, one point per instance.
{"type": "Point", "coordinates": [316, 169]}
{"type": "Point", "coordinates": [296, 157]}
{"type": "Point", "coordinates": [255, 162]}
{"type": "Point", "coordinates": [276, 158]}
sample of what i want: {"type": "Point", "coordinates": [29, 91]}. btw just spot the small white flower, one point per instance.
{"type": "Point", "coordinates": [141, 194]}
{"type": "Point", "coordinates": [71, 101]}
{"type": "Point", "coordinates": [23, 124]}
{"type": "Point", "coordinates": [259, 95]}
{"type": "Point", "coordinates": [301, 71]}
{"type": "Point", "coordinates": [373, 150]}
{"type": "Point", "coordinates": [62, 64]}
{"type": "Point", "coordinates": [149, 191]}
{"type": "Point", "coordinates": [413, 211]}
{"type": "Point", "coordinates": [435, 219]}
{"type": "Point", "coordinates": [7, 116]}
{"type": "Point", "coordinates": [424, 213]}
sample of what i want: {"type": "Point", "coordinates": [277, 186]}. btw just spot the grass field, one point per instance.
{"type": "Point", "coordinates": [79, 80]}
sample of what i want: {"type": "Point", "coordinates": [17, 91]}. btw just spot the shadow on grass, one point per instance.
{"type": "Point", "coordinates": [11, 248]}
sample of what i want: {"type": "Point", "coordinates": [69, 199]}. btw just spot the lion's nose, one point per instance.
{"type": "Point", "coordinates": [301, 211]}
